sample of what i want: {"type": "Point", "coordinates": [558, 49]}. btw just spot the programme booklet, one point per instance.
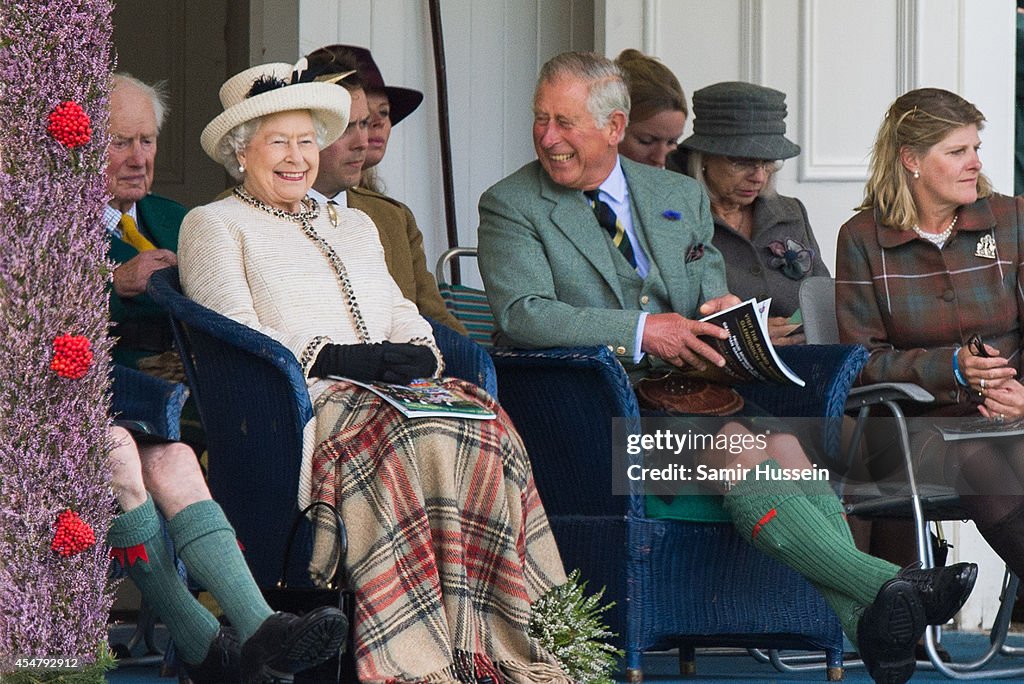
{"type": "Point", "coordinates": [749, 353]}
{"type": "Point", "coordinates": [980, 428]}
{"type": "Point", "coordinates": [425, 398]}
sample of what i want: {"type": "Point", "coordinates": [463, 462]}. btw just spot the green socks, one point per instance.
{"type": "Point", "coordinates": [825, 500]}
{"type": "Point", "coordinates": [152, 569]}
{"type": "Point", "coordinates": [821, 494]}
{"type": "Point", "coordinates": [206, 542]}
{"type": "Point", "coordinates": [802, 530]}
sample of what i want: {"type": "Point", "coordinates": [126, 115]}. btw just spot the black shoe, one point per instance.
{"type": "Point", "coordinates": [285, 644]}
{"type": "Point", "coordinates": [222, 664]}
{"type": "Point", "coordinates": [888, 632]}
{"type": "Point", "coordinates": [942, 590]}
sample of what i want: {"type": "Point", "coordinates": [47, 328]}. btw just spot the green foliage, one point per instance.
{"type": "Point", "coordinates": [569, 625]}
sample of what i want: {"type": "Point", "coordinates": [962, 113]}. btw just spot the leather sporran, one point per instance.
{"type": "Point", "coordinates": [678, 393]}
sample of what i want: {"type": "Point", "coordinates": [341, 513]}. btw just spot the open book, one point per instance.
{"type": "Point", "coordinates": [980, 428]}
{"type": "Point", "coordinates": [749, 353]}
{"type": "Point", "coordinates": [424, 398]}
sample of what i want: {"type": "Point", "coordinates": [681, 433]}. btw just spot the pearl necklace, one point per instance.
{"type": "Point", "coordinates": [938, 237]}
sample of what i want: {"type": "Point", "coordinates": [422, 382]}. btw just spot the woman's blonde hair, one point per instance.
{"type": "Point", "coordinates": [917, 120]}
{"type": "Point", "coordinates": [653, 88]}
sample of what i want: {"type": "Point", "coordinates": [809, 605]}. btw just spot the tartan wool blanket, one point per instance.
{"type": "Point", "coordinates": [449, 544]}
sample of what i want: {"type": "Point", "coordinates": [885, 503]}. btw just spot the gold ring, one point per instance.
{"type": "Point", "coordinates": [983, 383]}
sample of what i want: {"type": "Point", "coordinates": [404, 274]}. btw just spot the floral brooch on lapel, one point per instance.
{"type": "Point", "coordinates": [792, 258]}
{"type": "Point", "coordinates": [672, 215]}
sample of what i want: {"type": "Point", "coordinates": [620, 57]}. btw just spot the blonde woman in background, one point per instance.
{"type": "Point", "coordinates": [657, 109]}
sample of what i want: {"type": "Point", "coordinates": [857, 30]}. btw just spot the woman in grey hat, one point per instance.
{"type": "Point", "coordinates": [738, 144]}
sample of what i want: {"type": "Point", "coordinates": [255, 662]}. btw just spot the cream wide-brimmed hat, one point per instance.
{"type": "Point", "coordinates": [275, 92]}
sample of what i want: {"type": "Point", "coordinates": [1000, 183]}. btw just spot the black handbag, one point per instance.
{"type": "Point", "coordinates": [302, 599]}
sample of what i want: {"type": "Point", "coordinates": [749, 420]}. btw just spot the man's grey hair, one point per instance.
{"type": "Point", "coordinates": [157, 94]}
{"type": "Point", "coordinates": [607, 91]}
{"type": "Point", "coordinates": [239, 137]}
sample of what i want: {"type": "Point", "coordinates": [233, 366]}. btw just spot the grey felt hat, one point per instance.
{"type": "Point", "coordinates": [737, 119]}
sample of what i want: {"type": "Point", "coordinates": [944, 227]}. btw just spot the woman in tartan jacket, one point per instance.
{"type": "Point", "coordinates": [933, 259]}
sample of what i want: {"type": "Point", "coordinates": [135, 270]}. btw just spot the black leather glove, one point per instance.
{"type": "Point", "coordinates": [403, 362]}
{"type": "Point", "coordinates": [386, 361]}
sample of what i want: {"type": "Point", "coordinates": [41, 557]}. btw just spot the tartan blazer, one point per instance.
{"type": "Point", "coordinates": [911, 304]}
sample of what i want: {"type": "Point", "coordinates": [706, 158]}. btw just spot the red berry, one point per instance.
{"type": "Point", "coordinates": [69, 125]}
{"type": "Point", "coordinates": [72, 535]}
{"type": "Point", "coordinates": [71, 356]}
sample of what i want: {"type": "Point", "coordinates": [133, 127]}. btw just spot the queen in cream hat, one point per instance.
{"type": "Point", "coordinates": [269, 89]}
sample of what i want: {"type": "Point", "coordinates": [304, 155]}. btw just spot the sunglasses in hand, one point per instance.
{"type": "Point", "coordinates": [976, 346]}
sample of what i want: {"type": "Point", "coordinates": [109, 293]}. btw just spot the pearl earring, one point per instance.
{"type": "Point", "coordinates": [241, 169]}
{"type": "Point", "coordinates": [917, 174]}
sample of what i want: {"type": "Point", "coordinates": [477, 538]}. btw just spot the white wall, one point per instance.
{"type": "Point", "coordinates": [493, 53]}
{"type": "Point", "coordinates": [841, 64]}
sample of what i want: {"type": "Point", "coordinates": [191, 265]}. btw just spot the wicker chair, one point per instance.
{"type": "Point", "coordinates": [674, 583]}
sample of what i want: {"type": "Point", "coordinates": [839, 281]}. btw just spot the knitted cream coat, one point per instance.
{"type": "Point", "coordinates": [263, 271]}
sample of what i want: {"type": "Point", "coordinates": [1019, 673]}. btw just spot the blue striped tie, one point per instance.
{"type": "Point", "coordinates": [610, 222]}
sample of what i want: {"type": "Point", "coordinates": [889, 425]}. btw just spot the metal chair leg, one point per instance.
{"type": "Point", "coordinates": [143, 633]}
{"type": "Point", "coordinates": [687, 661]}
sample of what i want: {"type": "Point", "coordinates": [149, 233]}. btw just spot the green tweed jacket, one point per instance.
{"type": "Point", "coordinates": [159, 220]}
{"type": "Point", "coordinates": [549, 270]}
{"type": "Point", "coordinates": [403, 252]}
{"type": "Point", "coordinates": [911, 304]}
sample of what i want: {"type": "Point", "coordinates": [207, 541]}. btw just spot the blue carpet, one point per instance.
{"type": "Point", "coordinates": [713, 665]}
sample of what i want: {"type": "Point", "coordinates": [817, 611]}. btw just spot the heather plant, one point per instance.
{"type": "Point", "coordinates": [55, 499]}
{"type": "Point", "coordinates": [570, 625]}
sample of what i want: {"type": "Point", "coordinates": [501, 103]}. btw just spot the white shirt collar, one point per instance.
{"type": "Point", "coordinates": [112, 218]}
{"type": "Point", "coordinates": [615, 184]}
{"type": "Point", "coordinates": [341, 199]}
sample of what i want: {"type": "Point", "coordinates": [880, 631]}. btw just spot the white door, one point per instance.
{"type": "Point", "coordinates": [841, 64]}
